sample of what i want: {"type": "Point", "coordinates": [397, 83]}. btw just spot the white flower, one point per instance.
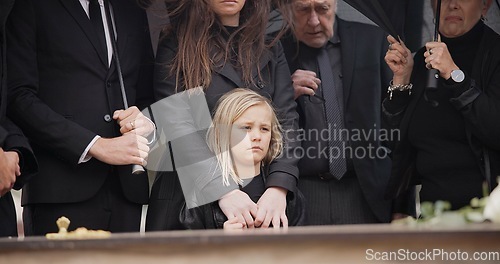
{"type": "Point", "coordinates": [492, 208]}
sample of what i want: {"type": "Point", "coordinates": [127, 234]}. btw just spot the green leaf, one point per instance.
{"type": "Point", "coordinates": [427, 209]}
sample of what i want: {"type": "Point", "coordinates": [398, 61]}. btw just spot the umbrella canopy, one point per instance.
{"type": "Point", "coordinates": [387, 14]}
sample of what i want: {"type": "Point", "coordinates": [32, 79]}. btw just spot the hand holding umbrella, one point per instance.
{"type": "Point", "coordinates": [432, 78]}
{"type": "Point", "coordinates": [400, 61]}
{"type": "Point", "coordinates": [136, 169]}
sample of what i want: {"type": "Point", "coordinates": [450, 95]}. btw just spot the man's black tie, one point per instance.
{"type": "Point", "coordinates": [334, 115]}
{"type": "Point", "coordinates": [96, 19]}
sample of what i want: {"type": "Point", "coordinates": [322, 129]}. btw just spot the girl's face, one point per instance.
{"type": "Point", "coordinates": [251, 135]}
{"type": "Point", "coordinates": [228, 11]}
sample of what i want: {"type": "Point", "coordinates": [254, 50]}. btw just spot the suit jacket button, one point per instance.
{"type": "Point", "coordinates": [108, 84]}
{"type": "Point", "coordinates": [107, 118]}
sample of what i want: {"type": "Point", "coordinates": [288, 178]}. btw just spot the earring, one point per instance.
{"type": "Point", "coordinates": [483, 18]}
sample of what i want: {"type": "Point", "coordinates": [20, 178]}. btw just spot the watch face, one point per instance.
{"type": "Point", "coordinates": [457, 76]}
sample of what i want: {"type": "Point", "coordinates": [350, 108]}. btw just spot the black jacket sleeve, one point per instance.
{"type": "Point", "coordinates": [16, 141]}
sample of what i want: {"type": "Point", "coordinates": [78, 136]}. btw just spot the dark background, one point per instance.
{"type": "Point", "coordinates": [419, 27]}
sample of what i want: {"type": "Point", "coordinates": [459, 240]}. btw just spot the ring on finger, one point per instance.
{"type": "Point", "coordinates": [132, 125]}
{"type": "Point", "coordinates": [430, 51]}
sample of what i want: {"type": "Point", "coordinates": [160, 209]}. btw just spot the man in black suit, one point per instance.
{"type": "Point", "coordinates": [339, 78]}
{"type": "Point", "coordinates": [17, 162]}
{"type": "Point", "coordinates": [64, 93]}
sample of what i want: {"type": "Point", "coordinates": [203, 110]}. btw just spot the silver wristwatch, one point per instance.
{"type": "Point", "coordinates": [457, 76]}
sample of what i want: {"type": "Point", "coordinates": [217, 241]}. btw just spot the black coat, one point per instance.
{"type": "Point", "coordinates": [477, 98]}
{"type": "Point", "coordinates": [276, 85]}
{"type": "Point", "coordinates": [210, 216]}
{"type": "Point", "coordinates": [11, 137]}
{"type": "Point", "coordinates": [62, 93]}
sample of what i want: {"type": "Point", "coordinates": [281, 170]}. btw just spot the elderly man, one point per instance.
{"type": "Point", "coordinates": [339, 78]}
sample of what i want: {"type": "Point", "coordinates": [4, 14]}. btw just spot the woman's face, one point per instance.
{"type": "Point", "coordinates": [459, 16]}
{"type": "Point", "coordinates": [228, 11]}
{"type": "Point", "coordinates": [251, 135]}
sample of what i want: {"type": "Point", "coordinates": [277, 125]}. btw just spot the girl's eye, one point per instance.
{"type": "Point", "coordinates": [265, 129]}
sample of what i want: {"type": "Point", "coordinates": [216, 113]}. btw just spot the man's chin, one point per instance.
{"type": "Point", "coordinates": [315, 43]}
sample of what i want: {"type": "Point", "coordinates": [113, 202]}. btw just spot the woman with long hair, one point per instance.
{"type": "Point", "coordinates": [221, 45]}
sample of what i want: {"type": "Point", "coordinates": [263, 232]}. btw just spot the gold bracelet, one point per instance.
{"type": "Point", "coordinates": [398, 87]}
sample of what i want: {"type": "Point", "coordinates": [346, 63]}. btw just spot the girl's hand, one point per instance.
{"type": "Point", "coordinates": [233, 223]}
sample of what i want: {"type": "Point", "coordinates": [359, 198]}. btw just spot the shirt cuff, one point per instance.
{"type": "Point", "coordinates": [151, 139]}
{"type": "Point", "coordinates": [85, 155]}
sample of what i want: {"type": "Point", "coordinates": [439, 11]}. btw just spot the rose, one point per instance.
{"type": "Point", "coordinates": [492, 208]}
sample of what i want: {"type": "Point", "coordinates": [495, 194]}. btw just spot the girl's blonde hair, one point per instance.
{"type": "Point", "coordinates": [229, 108]}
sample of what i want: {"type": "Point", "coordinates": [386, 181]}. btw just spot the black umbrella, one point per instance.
{"type": "Point", "coordinates": [390, 15]}
{"type": "Point", "coordinates": [387, 14]}
{"type": "Point", "coordinates": [432, 78]}
{"type": "Point", "coordinates": [136, 169]}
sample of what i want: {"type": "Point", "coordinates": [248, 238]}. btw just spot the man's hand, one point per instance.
{"type": "Point", "coordinates": [123, 150]}
{"type": "Point", "coordinates": [9, 169]}
{"type": "Point", "coordinates": [304, 82]}
{"type": "Point", "coordinates": [237, 204]}
{"type": "Point", "coordinates": [132, 119]}
{"type": "Point", "coordinates": [272, 205]}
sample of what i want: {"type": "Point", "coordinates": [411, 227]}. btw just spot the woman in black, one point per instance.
{"type": "Point", "coordinates": [451, 135]}
{"type": "Point", "coordinates": [220, 46]}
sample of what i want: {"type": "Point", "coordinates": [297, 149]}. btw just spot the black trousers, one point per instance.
{"type": "Point", "coordinates": [335, 202]}
{"type": "Point", "coordinates": [107, 210]}
{"type": "Point", "coordinates": [165, 203]}
{"type": "Point", "coordinates": [8, 221]}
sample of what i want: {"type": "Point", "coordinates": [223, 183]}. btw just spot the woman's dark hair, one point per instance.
{"type": "Point", "coordinates": [203, 44]}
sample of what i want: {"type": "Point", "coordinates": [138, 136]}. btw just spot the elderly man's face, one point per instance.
{"type": "Point", "coordinates": [313, 21]}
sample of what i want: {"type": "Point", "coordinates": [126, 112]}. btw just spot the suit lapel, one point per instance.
{"type": "Point", "coordinates": [118, 8]}
{"type": "Point", "coordinates": [348, 57]}
{"type": "Point", "coordinates": [114, 9]}
{"type": "Point", "coordinates": [118, 13]}
{"type": "Point", "coordinates": [75, 9]}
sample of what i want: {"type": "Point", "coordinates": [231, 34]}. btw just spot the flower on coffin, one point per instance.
{"type": "Point", "coordinates": [479, 210]}
{"type": "Point", "coordinates": [492, 208]}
